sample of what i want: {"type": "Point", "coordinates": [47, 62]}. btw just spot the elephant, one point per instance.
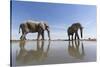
{"type": "Point", "coordinates": [39, 53]}
{"type": "Point", "coordinates": [31, 26]}
{"type": "Point", "coordinates": [73, 29]}
{"type": "Point", "coordinates": [76, 50]}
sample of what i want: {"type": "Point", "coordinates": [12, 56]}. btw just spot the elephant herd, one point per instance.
{"type": "Point", "coordinates": [31, 26]}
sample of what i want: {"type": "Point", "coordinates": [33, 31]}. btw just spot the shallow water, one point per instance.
{"type": "Point", "coordinates": [52, 52]}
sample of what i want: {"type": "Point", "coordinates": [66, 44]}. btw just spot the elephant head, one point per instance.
{"type": "Point", "coordinates": [41, 26]}
{"type": "Point", "coordinates": [47, 29]}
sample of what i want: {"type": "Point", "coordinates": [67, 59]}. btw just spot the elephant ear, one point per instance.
{"type": "Point", "coordinates": [46, 25]}
{"type": "Point", "coordinates": [41, 26]}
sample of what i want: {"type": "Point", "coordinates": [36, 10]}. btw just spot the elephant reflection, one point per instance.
{"type": "Point", "coordinates": [74, 49]}
{"type": "Point", "coordinates": [31, 26]}
{"type": "Point", "coordinates": [38, 54]}
{"type": "Point", "coordinates": [73, 29]}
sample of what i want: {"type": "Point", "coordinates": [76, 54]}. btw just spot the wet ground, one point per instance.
{"type": "Point", "coordinates": [52, 52]}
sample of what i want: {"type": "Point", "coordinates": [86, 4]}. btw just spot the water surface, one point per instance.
{"type": "Point", "coordinates": [52, 52]}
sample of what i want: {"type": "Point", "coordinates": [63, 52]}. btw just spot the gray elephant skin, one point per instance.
{"type": "Point", "coordinates": [31, 26]}
{"type": "Point", "coordinates": [73, 29]}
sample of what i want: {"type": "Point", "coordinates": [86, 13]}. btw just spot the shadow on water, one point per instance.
{"type": "Point", "coordinates": [76, 49]}
{"type": "Point", "coordinates": [25, 56]}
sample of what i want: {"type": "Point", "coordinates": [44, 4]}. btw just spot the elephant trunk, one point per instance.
{"type": "Point", "coordinates": [83, 53]}
{"type": "Point", "coordinates": [48, 31]}
{"type": "Point", "coordinates": [49, 34]}
{"type": "Point", "coordinates": [81, 31]}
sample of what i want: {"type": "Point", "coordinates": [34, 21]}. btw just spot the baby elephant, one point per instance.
{"type": "Point", "coordinates": [31, 26]}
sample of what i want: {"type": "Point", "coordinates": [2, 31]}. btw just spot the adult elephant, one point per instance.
{"type": "Point", "coordinates": [31, 26]}
{"type": "Point", "coordinates": [73, 29]}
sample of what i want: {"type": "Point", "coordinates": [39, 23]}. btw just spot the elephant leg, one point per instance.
{"type": "Point", "coordinates": [42, 45]}
{"type": "Point", "coordinates": [38, 36]}
{"type": "Point", "coordinates": [83, 52]}
{"type": "Point", "coordinates": [77, 35]}
{"type": "Point", "coordinates": [72, 37]}
{"type": "Point", "coordinates": [38, 43]}
{"type": "Point", "coordinates": [72, 42]}
{"type": "Point", "coordinates": [21, 38]}
{"type": "Point", "coordinates": [42, 35]}
{"type": "Point", "coordinates": [24, 36]}
{"type": "Point", "coordinates": [69, 37]}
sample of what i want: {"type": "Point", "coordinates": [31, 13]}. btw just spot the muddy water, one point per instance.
{"type": "Point", "coordinates": [52, 52]}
